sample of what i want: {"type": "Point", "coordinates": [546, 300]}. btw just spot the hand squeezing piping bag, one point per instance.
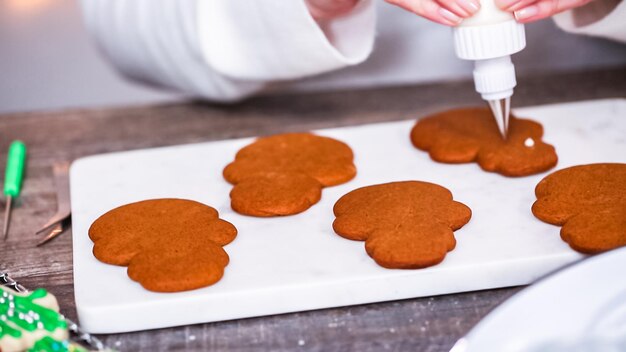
{"type": "Point", "coordinates": [489, 38]}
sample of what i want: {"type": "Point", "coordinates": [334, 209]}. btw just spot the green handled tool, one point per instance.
{"type": "Point", "coordinates": [13, 179]}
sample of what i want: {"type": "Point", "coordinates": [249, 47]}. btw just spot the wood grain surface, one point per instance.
{"type": "Point", "coordinates": [423, 324]}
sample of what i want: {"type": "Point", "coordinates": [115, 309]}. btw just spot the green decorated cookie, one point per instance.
{"type": "Point", "coordinates": [31, 321]}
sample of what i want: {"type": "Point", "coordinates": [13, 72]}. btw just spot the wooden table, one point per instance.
{"type": "Point", "coordinates": [423, 324]}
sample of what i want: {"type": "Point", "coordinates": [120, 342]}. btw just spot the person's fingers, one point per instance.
{"type": "Point", "coordinates": [430, 10]}
{"type": "Point", "coordinates": [545, 8]}
{"type": "Point", "coordinates": [513, 5]}
{"type": "Point", "coordinates": [461, 8]}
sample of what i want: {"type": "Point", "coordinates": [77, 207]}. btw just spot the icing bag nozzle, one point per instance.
{"type": "Point", "coordinates": [494, 79]}
{"type": "Point", "coordinates": [501, 110]}
{"type": "Point", "coordinates": [489, 38]}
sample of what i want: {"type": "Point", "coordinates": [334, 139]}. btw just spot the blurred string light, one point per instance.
{"type": "Point", "coordinates": [25, 7]}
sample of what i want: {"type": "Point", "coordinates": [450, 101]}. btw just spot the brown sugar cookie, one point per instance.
{"type": "Point", "coordinates": [405, 225]}
{"type": "Point", "coordinates": [471, 134]}
{"type": "Point", "coordinates": [589, 202]}
{"type": "Point", "coordinates": [275, 193]}
{"type": "Point", "coordinates": [168, 245]}
{"type": "Point", "coordinates": [284, 174]}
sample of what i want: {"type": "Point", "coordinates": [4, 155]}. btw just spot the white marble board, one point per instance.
{"type": "Point", "coordinates": [297, 263]}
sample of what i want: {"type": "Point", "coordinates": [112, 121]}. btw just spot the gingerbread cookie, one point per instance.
{"type": "Point", "coordinates": [471, 134]}
{"type": "Point", "coordinates": [168, 244]}
{"type": "Point", "coordinates": [589, 202]}
{"type": "Point", "coordinates": [284, 174]}
{"type": "Point", "coordinates": [405, 225]}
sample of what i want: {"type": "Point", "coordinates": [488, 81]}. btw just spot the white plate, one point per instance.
{"type": "Point", "coordinates": [580, 308]}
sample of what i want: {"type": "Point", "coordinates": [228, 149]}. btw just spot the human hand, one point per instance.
{"type": "Point", "coordinates": [533, 10]}
{"type": "Point", "coordinates": [324, 10]}
{"type": "Point", "coordinates": [448, 12]}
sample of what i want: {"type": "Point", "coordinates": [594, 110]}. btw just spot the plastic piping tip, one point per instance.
{"type": "Point", "coordinates": [501, 109]}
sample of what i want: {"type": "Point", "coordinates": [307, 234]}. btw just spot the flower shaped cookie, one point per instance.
{"type": "Point", "coordinates": [405, 225]}
{"type": "Point", "coordinates": [471, 135]}
{"type": "Point", "coordinates": [589, 202]}
{"type": "Point", "coordinates": [284, 174]}
{"type": "Point", "coordinates": [168, 244]}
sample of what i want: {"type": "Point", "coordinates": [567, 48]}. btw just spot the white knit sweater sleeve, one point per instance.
{"type": "Point", "coordinates": [225, 50]}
